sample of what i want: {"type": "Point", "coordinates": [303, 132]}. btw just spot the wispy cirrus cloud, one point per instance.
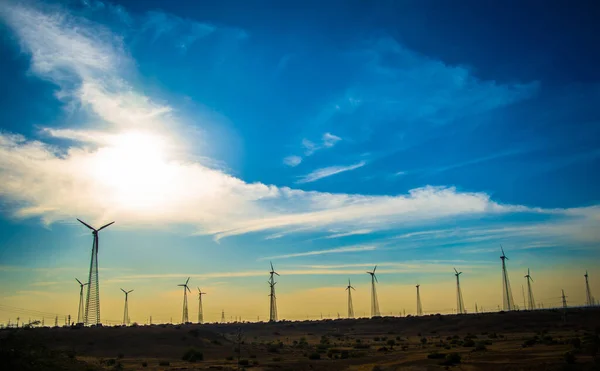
{"type": "Point", "coordinates": [349, 233]}
{"type": "Point", "coordinates": [292, 161]}
{"type": "Point", "coordinates": [338, 250]}
{"type": "Point", "coordinates": [328, 171]}
{"type": "Point", "coordinates": [328, 140]}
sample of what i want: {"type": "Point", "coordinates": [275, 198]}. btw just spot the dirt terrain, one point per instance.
{"type": "Point", "coordinates": [539, 340]}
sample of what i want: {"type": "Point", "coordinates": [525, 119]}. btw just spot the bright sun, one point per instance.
{"type": "Point", "coordinates": [134, 168]}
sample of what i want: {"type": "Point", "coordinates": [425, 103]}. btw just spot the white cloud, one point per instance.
{"type": "Point", "coordinates": [329, 171]}
{"type": "Point", "coordinates": [350, 233]}
{"type": "Point", "coordinates": [338, 250]}
{"type": "Point", "coordinates": [292, 161]}
{"type": "Point", "coordinates": [329, 140]}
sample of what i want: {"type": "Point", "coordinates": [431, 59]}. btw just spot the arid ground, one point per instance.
{"type": "Point", "coordinates": [539, 340]}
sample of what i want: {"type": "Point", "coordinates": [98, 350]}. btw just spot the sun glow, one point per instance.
{"type": "Point", "coordinates": [134, 169]}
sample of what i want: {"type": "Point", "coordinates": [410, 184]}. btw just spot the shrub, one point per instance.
{"type": "Point", "coordinates": [493, 335]}
{"type": "Point", "coordinates": [192, 355]}
{"type": "Point", "coordinates": [345, 354]}
{"type": "Point", "coordinates": [314, 356]}
{"type": "Point", "coordinates": [120, 355]}
{"type": "Point", "coordinates": [391, 342]}
{"type": "Point", "coordinates": [110, 362]}
{"type": "Point", "coordinates": [362, 346]}
{"type": "Point", "coordinates": [229, 358]}
{"type": "Point", "coordinates": [452, 359]}
{"type": "Point", "coordinates": [570, 358]}
{"type": "Point", "coordinates": [436, 355]}
{"type": "Point", "coordinates": [469, 343]}
{"type": "Point", "coordinates": [276, 359]}
{"type": "Point", "coordinates": [273, 349]}
{"type": "Point", "coordinates": [252, 356]}
{"type": "Point", "coordinates": [376, 338]}
{"type": "Point", "coordinates": [164, 363]}
{"type": "Point", "coordinates": [423, 341]}
{"type": "Point", "coordinates": [480, 346]}
{"type": "Point", "coordinates": [576, 342]}
{"type": "Point", "coordinates": [529, 342]}
{"type": "Point", "coordinates": [377, 368]}
{"type": "Point", "coordinates": [144, 364]}
{"type": "Point", "coordinates": [216, 342]}
{"type": "Point", "coordinates": [244, 362]}
{"type": "Point", "coordinates": [382, 349]}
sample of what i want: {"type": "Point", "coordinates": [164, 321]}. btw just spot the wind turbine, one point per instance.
{"type": "Point", "coordinates": [529, 291]}
{"type": "Point", "coordinates": [350, 307]}
{"type": "Point", "coordinates": [80, 309]}
{"type": "Point", "coordinates": [126, 310]}
{"type": "Point", "coordinates": [184, 317]}
{"type": "Point", "coordinates": [272, 297]}
{"type": "Point", "coordinates": [460, 306]}
{"type": "Point", "coordinates": [200, 312]}
{"type": "Point", "coordinates": [92, 301]}
{"type": "Point", "coordinates": [507, 298]}
{"type": "Point", "coordinates": [374, 302]}
{"type": "Point", "coordinates": [419, 306]}
{"type": "Point", "coordinates": [589, 300]}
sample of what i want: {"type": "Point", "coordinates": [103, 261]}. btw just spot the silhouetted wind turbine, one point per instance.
{"type": "Point", "coordinates": [589, 299]}
{"type": "Point", "coordinates": [419, 306]}
{"type": "Point", "coordinates": [460, 306]}
{"type": "Point", "coordinates": [184, 317]}
{"type": "Point", "coordinates": [200, 312]}
{"type": "Point", "coordinates": [80, 309]}
{"type": "Point", "coordinates": [350, 307]}
{"type": "Point", "coordinates": [529, 291]}
{"type": "Point", "coordinates": [374, 302]}
{"type": "Point", "coordinates": [507, 298]}
{"type": "Point", "coordinates": [272, 297]}
{"type": "Point", "coordinates": [92, 301]}
{"type": "Point", "coordinates": [126, 310]}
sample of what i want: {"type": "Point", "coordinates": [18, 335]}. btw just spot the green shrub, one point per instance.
{"type": "Point", "coordinates": [469, 343]}
{"type": "Point", "coordinates": [110, 362]}
{"type": "Point", "coordinates": [345, 354]}
{"type": "Point", "coordinates": [423, 341]}
{"type": "Point", "coordinates": [244, 362]}
{"type": "Point", "coordinates": [229, 358]}
{"type": "Point", "coordinates": [436, 355]}
{"type": "Point", "coordinates": [391, 342]}
{"type": "Point", "coordinates": [480, 346]}
{"type": "Point", "coordinates": [120, 355]}
{"type": "Point", "coordinates": [452, 359]}
{"type": "Point", "coordinates": [376, 338]}
{"type": "Point", "coordinates": [164, 363]}
{"type": "Point", "coordinates": [362, 346]}
{"type": "Point", "coordinates": [144, 364]}
{"type": "Point", "coordinates": [576, 342]}
{"type": "Point", "coordinates": [273, 349]}
{"type": "Point", "coordinates": [276, 359]}
{"type": "Point", "coordinates": [192, 355]}
{"type": "Point", "coordinates": [314, 356]}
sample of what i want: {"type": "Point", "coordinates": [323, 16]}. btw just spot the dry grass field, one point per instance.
{"type": "Point", "coordinates": [539, 340]}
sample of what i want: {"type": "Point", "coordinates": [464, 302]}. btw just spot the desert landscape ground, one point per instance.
{"type": "Point", "coordinates": [538, 340]}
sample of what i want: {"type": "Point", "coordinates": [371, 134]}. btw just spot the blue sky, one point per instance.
{"type": "Point", "coordinates": [324, 136]}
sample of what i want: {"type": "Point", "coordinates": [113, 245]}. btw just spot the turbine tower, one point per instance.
{"type": "Point", "coordinates": [184, 316]}
{"type": "Point", "coordinates": [350, 307]}
{"type": "Point", "coordinates": [272, 297]}
{"type": "Point", "coordinates": [374, 302]}
{"type": "Point", "coordinates": [589, 300]}
{"type": "Point", "coordinates": [564, 299]}
{"type": "Point", "coordinates": [530, 300]}
{"type": "Point", "coordinates": [460, 305]}
{"type": "Point", "coordinates": [200, 311]}
{"type": "Point", "coordinates": [419, 306]}
{"type": "Point", "coordinates": [126, 310]}
{"type": "Point", "coordinates": [507, 298]}
{"type": "Point", "coordinates": [92, 300]}
{"type": "Point", "coordinates": [80, 309]}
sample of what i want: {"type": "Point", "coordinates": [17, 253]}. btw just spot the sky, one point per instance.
{"type": "Point", "coordinates": [326, 137]}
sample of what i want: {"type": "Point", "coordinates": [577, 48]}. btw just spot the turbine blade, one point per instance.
{"type": "Point", "coordinates": [188, 280]}
{"type": "Point", "coordinates": [188, 289]}
{"type": "Point", "coordinates": [375, 278]}
{"type": "Point", "coordinates": [130, 290]}
{"type": "Point", "coordinates": [455, 270]}
{"type": "Point", "coordinates": [124, 291]}
{"type": "Point", "coordinates": [87, 225]}
{"type": "Point", "coordinates": [352, 288]}
{"type": "Point", "coordinates": [276, 273]}
{"type": "Point", "coordinates": [271, 265]}
{"type": "Point", "coordinates": [104, 226]}
{"type": "Point", "coordinates": [78, 281]}
{"type": "Point", "coordinates": [199, 289]}
{"type": "Point", "coordinates": [374, 269]}
{"type": "Point", "coordinates": [181, 285]}
{"type": "Point", "coordinates": [531, 278]}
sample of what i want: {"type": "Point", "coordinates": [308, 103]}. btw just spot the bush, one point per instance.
{"type": "Point", "coordinates": [229, 358]}
{"type": "Point", "coordinates": [273, 349]}
{"type": "Point", "coordinates": [529, 342]}
{"type": "Point", "coordinates": [382, 349]}
{"type": "Point", "coordinates": [493, 335]}
{"type": "Point", "coordinates": [120, 355]}
{"type": "Point", "coordinates": [192, 355]}
{"type": "Point", "coordinates": [144, 364]}
{"type": "Point", "coordinates": [423, 341]}
{"type": "Point", "coordinates": [314, 356]}
{"type": "Point", "coordinates": [252, 356]}
{"type": "Point", "coordinates": [436, 355]}
{"type": "Point", "coordinates": [376, 338]}
{"type": "Point", "coordinates": [110, 362]}
{"type": "Point", "coordinates": [362, 346]}
{"type": "Point", "coordinates": [452, 359]}
{"type": "Point", "coordinates": [276, 359]}
{"type": "Point", "coordinates": [576, 342]}
{"type": "Point", "coordinates": [480, 346]}
{"type": "Point", "coordinates": [345, 354]}
{"type": "Point", "coordinates": [469, 343]}
{"type": "Point", "coordinates": [164, 363]}
{"type": "Point", "coordinates": [244, 362]}
{"type": "Point", "coordinates": [570, 358]}
{"type": "Point", "coordinates": [391, 342]}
